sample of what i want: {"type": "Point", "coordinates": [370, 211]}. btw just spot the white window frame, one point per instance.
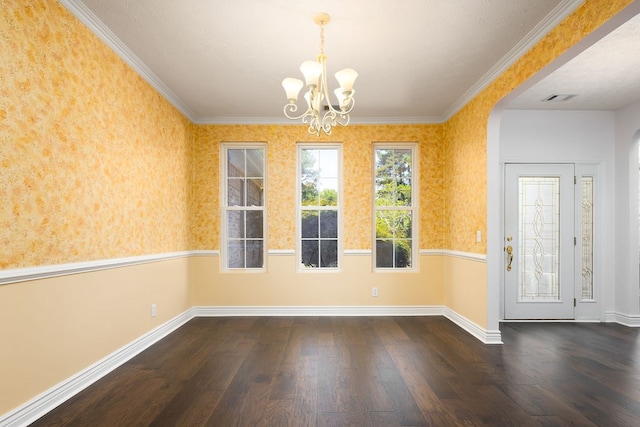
{"type": "Point", "coordinates": [414, 208]}
{"type": "Point", "coordinates": [300, 208]}
{"type": "Point", "coordinates": [224, 149]}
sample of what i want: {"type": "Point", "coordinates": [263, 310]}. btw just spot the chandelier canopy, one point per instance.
{"type": "Point", "coordinates": [320, 117]}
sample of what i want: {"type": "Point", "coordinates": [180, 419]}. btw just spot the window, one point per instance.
{"type": "Point", "coordinates": [395, 206]}
{"type": "Point", "coordinates": [319, 201]}
{"type": "Point", "coordinates": [244, 215]}
{"type": "Point", "coordinates": [587, 237]}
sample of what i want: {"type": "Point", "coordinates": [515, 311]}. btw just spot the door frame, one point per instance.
{"type": "Point", "coordinates": [585, 310]}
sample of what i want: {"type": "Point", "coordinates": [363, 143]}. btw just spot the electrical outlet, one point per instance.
{"type": "Point", "coordinates": [478, 236]}
{"type": "Point", "coordinates": [374, 292]}
{"type": "Point", "coordinates": [153, 310]}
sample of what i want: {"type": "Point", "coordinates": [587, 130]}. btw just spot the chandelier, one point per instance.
{"type": "Point", "coordinates": [320, 117]}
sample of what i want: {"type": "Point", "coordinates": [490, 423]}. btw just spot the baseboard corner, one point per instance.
{"type": "Point", "coordinates": [630, 320]}
{"type": "Point", "coordinates": [63, 391]}
{"type": "Point", "coordinates": [484, 335]}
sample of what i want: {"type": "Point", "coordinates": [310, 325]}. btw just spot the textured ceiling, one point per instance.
{"type": "Point", "coordinates": [222, 61]}
{"type": "Point", "coordinates": [606, 76]}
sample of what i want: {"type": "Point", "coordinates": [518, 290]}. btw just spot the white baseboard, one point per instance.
{"type": "Point", "coordinates": [631, 320]}
{"type": "Point", "coordinates": [58, 394]}
{"type": "Point", "coordinates": [484, 335]}
{"type": "Point", "coordinates": [228, 311]}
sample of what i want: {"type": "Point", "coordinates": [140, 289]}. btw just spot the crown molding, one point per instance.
{"type": "Point", "coordinates": [284, 121]}
{"type": "Point", "coordinates": [88, 18]}
{"type": "Point", "coordinates": [557, 15]}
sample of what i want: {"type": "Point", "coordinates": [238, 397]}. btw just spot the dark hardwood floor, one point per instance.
{"type": "Point", "coordinates": [368, 371]}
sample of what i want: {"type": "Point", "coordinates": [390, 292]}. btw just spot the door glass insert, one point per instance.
{"type": "Point", "coordinates": [539, 238]}
{"type": "Point", "coordinates": [587, 237]}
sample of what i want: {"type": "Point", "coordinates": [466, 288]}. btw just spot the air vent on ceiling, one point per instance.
{"type": "Point", "coordinates": [558, 98]}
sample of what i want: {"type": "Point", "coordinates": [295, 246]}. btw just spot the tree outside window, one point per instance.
{"type": "Point", "coordinates": [394, 207]}
{"type": "Point", "coordinates": [319, 207]}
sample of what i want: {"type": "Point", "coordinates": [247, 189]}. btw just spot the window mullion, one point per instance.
{"type": "Point", "coordinates": [240, 164]}
{"type": "Point", "coordinates": [394, 221]}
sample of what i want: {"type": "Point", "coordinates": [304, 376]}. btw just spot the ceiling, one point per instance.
{"type": "Point", "coordinates": [605, 76]}
{"type": "Point", "coordinates": [222, 61]}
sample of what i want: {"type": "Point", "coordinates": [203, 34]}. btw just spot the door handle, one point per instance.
{"type": "Point", "coordinates": [510, 253]}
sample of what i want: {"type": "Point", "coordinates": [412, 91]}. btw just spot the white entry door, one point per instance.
{"type": "Point", "coordinates": [539, 241]}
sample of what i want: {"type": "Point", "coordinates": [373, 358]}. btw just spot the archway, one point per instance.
{"type": "Point", "coordinates": [494, 171]}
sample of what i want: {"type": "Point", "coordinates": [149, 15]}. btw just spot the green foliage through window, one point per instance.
{"type": "Point", "coordinates": [319, 207]}
{"type": "Point", "coordinates": [394, 207]}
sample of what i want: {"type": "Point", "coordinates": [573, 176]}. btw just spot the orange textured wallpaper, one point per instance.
{"type": "Point", "coordinates": [466, 132]}
{"type": "Point", "coordinates": [281, 187]}
{"type": "Point", "coordinates": [94, 163]}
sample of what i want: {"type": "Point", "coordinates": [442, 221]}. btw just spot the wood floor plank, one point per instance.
{"type": "Point", "coordinates": [368, 371]}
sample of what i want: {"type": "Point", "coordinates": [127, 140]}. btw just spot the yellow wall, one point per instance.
{"type": "Point", "coordinates": [465, 134]}
{"type": "Point", "coordinates": [52, 329]}
{"type": "Point", "coordinates": [94, 164]}
{"type": "Point", "coordinates": [465, 137]}
{"type": "Point", "coordinates": [465, 288]}
{"type": "Point", "coordinates": [281, 188]}
{"type": "Point", "coordinates": [283, 286]}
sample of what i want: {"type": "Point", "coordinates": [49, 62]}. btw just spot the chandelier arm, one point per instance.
{"type": "Point", "coordinates": [314, 124]}
{"type": "Point", "coordinates": [333, 118]}
{"type": "Point", "coordinates": [346, 111]}
{"type": "Point", "coordinates": [345, 120]}
{"type": "Point", "coordinates": [292, 108]}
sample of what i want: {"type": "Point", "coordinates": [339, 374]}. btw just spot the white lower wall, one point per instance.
{"type": "Point", "coordinates": [627, 129]}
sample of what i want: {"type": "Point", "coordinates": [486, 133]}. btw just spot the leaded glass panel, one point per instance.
{"type": "Point", "coordinates": [539, 237]}
{"type": "Point", "coordinates": [587, 237]}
